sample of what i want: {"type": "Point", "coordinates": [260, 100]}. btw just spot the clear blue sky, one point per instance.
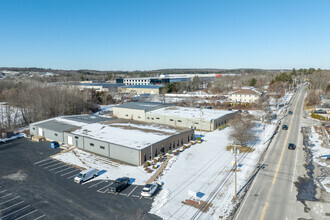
{"type": "Point", "coordinates": [154, 34]}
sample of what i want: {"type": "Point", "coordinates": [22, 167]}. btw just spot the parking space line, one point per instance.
{"type": "Point", "coordinates": [69, 172]}
{"type": "Point", "coordinates": [135, 196]}
{"type": "Point", "coordinates": [3, 191]}
{"type": "Point", "coordinates": [64, 170]}
{"type": "Point", "coordinates": [132, 191]}
{"type": "Point", "coordinates": [9, 200]}
{"type": "Point", "coordinates": [96, 184]}
{"type": "Point", "coordinates": [42, 161]}
{"type": "Point", "coordinates": [123, 194]}
{"type": "Point", "coordinates": [47, 163]}
{"type": "Point", "coordinates": [72, 176]}
{"type": "Point", "coordinates": [99, 190]}
{"type": "Point", "coordinates": [11, 206]}
{"type": "Point", "coordinates": [27, 214]}
{"type": "Point", "coordinates": [57, 167]}
{"type": "Point", "coordinates": [40, 217]}
{"type": "Point", "coordinates": [52, 165]}
{"type": "Point", "coordinates": [15, 211]}
{"type": "Point", "coordinates": [140, 197]}
{"type": "Point", "coordinates": [5, 195]}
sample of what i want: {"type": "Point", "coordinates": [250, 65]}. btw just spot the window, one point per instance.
{"type": "Point", "coordinates": [126, 115]}
{"type": "Point", "coordinates": [179, 121]}
{"type": "Point", "coordinates": [157, 118]}
{"type": "Point", "coordinates": [91, 144]}
{"type": "Point", "coordinates": [139, 117]}
{"type": "Point", "coordinates": [196, 123]}
{"type": "Point", "coordinates": [34, 128]}
{"type": "Point", "coordinates": [171, 119]}
{"type": "Point", "coordinates": [178, 143]}
{"type": "Point", "coordinates": [102, 147]}
{"type": "Point", "coordinates": [148, 117]}
{"type": "Point", "coordinates": [76, 137]}
{"type": "Point", "coordinates": [55, 134]}
{"type": "Point", "coordinates": [152, 118]}
{"type": "Point", "coordinates": [181, 141]}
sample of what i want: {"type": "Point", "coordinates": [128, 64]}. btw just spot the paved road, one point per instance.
{"type": "Point", "coordinates": [272, 195]}
{"type": "Point", "coordinates": [38, 191]}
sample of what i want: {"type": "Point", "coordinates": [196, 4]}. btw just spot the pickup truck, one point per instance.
{"type": "Point", "coordinates": [118, 185]}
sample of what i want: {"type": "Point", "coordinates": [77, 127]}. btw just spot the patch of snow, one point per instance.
{"type": "Point", "coordinates": [326, 184]}
{"type": "Point", "coordinates": [20, 135]}
{"type": "Point", "coordinates": [317, 149]}
{"type": "Point", "coordinates": [108, 169]}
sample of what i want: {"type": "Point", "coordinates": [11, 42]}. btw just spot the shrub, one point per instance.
{"type": "Point", "coordinates": [154, 166]}
{"type": "Point", "coordinates": [149, 171]}
{"type": "Point", "coordinates": [169, 152]}
{"type": "Point", "coordinates": [320, 117]}
{"type": "Point", "coordinates": [176, 152]}
{"type": "Point", "coordinates": [199, 139]}
{"type": "Point", "coordinates": [222, 126]}
{"type": "Point", "coordinates": [146, 164]}
{"type": "Point", "coordinates": [160, 159]}
{"type": "Point", "coordinates": [155, 160]}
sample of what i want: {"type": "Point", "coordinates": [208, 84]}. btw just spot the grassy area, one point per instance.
{"type": "Point", "coordinates": [240, 148]}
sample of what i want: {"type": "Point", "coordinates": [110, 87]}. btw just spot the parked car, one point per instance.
{"type": "Point", "coordinates": [239, 111]}
{"type": "Point", "coordinates": [319, 111]}
{"type": "Point", "coordinates": [291, 146]}
{"type": "Point", "coordinates": [119, 185]}
{"type": "Point", "coordinates": [285, 127]}
{"type": "Point", "coordinates": [86, 175]}
{"type": "Point", "coordinates": [230, 109]}
{"type": "Point", "coordinates": [246, 111]}
{"type": "Point", "coordinates": [149, 189]}
{"type": "Point", "coordinates": [290, 112]}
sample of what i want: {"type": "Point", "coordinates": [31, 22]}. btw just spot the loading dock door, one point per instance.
{"type": "Point", "coordinates": [40, 131]}
{"type": "Point", "coordinates": [69, 140]}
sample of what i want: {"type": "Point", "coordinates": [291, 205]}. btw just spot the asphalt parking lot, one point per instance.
{"type": "Point", "coordinates": [34, 186]}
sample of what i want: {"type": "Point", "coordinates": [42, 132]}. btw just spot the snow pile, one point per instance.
{"type": "Point", "coordinates": [201, 168]}
{"type": "Point", "coordinates": [326, 184]}
{"type": "Point", "coordinates": [109, 169]}
{"type": "Point", "coordinates": [317, 149]}
{"type": "Point", "coordinates": [20, 135]}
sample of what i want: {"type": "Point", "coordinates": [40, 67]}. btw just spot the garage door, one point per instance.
{"type": "Point", "coordinates": [69, 140]}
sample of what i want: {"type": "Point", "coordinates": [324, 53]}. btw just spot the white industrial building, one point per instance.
{"type": "Point", "coordinates": [128, 141]}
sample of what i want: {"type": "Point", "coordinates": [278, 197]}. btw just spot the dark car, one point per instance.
{"type": "Point", "coordinates": [291, 146]}
{"type": "Point", "coordinates": [290, 112]}
{"type": "Point", "coordinates": [230, 109]}
{"type": "Point", "coordinates": [239, 111]}
{"type": "Point", "coordinates": [119, 185]}
{"type": "Point", "coordinates": [319, 111]}
{"type": "Point", "coordinates": [285, 127]}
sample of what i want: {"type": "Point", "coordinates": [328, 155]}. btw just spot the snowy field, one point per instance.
{"type": "Point", "coordinates": [108, 169]}
{"type": "Point", "coordinates": [200, 169]}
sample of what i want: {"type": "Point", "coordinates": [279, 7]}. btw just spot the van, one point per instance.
{"type": "Point", "coordinates": [86, 175]}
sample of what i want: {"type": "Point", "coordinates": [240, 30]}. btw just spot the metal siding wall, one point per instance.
{"type": "Point", "coordinates": [122, 112]}
{"type": "Point", "coordinates": [49, 134]}
{"type": "Point", "coordinates": [74, 140]}
{"type": "Point", "coordinates": [124, 154]}
{"type": "Point", "coordinates": [96, 148]}
{"type": "Point", "coordinates": [35, 131]}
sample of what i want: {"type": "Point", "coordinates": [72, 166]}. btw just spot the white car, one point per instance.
{"type": "Point", "coordinates": [86, 175]}
{"type": "Point", "coordinates": [149, 189]}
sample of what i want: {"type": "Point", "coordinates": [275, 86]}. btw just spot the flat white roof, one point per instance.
{"type": "Point", "coordinates": [132, 135]}
{"type": "Point", "coordinates": [183, 112]}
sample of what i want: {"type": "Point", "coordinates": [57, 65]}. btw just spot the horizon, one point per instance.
{"type": "Point", "coordinates": [149, 35]}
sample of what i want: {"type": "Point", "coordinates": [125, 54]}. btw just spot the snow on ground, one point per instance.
{"type": "Point", "coordinates": [20, 135]}
{"type": "Point", "coordinates": [200, 169]}
{"type": "Point", "coordinates": [104, 109]}
{"type": "Point", "coordinates": [108, 169]}
{"type": "Point", "coordinates": [317, 149]}
{"type": "Point", "coordinates": [10, 113]}
{"type": "Point", "coordinates": [326, 184]}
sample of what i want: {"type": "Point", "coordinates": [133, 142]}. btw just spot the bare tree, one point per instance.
{"type": "Point", "coordinates": [242, 129]}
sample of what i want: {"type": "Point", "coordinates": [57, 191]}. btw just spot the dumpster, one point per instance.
{"type": "Point", "coordinates": [54, 144]}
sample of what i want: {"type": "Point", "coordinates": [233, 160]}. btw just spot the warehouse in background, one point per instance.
{"type": "Point", "coordinates": [169, 114]}
{"type": "Point", "coordinates": [132, 142]}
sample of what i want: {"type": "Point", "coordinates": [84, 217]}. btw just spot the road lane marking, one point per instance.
{"type": "Point", "coordinates": [9, 200]}
{"type": "Point", "coordinates": [16, 211]}
{"type": "Point", "coordinates": [96, 184]}
{"type": "Point", "coordinates": [132, 191]}
{"type": "Point", "coordinates": [26, 214]}
{"type": "Point", "coordinates": [64, 170]}
{"type": "Point", "coordinates": [294, 169]}
{"type": "Point", "coordinates": [264, 211]}
{"type": "Point", "coordinates": [42, 161]}
{"type": "Point", "coordinates": [5, 195]}
{"type": "Point", "coordinates": [75, 170]}
{"type": "Point", "coordinates": [39, 217]}
{"type": "Point", "coordinates": [57, 167]}
{"type": "Point", "coordinates": [11, 206]}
